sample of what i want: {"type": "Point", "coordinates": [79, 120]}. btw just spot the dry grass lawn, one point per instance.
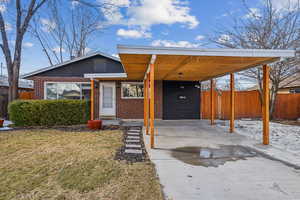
{"type": "Point", "coordinates": [51, 164]}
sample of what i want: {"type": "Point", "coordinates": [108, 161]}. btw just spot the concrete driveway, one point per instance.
{"type": "Point", "coordinates": [196, 161]}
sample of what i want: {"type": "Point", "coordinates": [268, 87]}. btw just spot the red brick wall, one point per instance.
{"type": "Point", "coordinates": [134, 108]}
{"type": "Point", "coordinates": [125, 108]}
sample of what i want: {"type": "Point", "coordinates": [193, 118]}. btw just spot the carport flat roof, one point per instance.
{"type": "Point", "coordinates": [173, 63]}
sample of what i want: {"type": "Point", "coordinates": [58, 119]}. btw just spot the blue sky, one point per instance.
{"type": "Point", "coordinates": [185, 23]}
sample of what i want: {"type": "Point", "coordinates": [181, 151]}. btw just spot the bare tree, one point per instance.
{"type": "Point", "coordinates": [267, 28]}
{"type": "Point", "coordinates": [69, 33]}
{"type": "Point", "coordinates": [22, 16]}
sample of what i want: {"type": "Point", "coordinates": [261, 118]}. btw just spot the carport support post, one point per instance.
{"type": "Point", "coordinates": [146, 104]}
{"type": "Point", "coordinates": [92, 98]}
{"type": "Point", "coordinates": [265, 107]}
{"type": "Point", "coordinates": [212, 102]}
{"type": "Point", "coordinates": [232, 103]}
{"type": "Point", "coordinates": [152, 105]}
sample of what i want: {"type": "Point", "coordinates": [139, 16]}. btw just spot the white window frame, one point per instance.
{"type": "Point", "coordinates": [45, 87]}
{"type": "Point", "coordinates": [138, 82]}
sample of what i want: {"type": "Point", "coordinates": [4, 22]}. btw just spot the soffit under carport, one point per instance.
{"type": "Point", "coordinates": [193, 64]}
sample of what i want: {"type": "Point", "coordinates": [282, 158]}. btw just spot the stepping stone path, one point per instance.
{"type": "Point", "coordinates": [133, 149]}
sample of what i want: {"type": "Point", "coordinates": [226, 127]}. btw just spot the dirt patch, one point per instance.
{"type": "Point", "coordinates": [288, 122]}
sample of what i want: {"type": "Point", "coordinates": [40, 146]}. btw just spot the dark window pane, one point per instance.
{"type": "Point", "coordinates": [86, 90]}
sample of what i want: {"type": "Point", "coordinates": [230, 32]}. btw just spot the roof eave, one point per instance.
{"type": "Point", "coordinates": [128, 49]}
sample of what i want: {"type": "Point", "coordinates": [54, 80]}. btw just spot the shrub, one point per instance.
{"type": "Point", "coordinates": [49, 112]}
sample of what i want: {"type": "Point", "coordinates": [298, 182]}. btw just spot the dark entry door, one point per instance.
{"type": "Point", "coordinates": [181, 100]}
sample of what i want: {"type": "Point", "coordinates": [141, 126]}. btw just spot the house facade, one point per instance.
{"type": "Point", "coordinates": [115, 95]}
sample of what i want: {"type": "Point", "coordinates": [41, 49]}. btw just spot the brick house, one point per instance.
{"type": "Point", "coordinates": [115, 95]}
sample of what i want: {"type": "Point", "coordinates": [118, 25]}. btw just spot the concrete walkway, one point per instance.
{"type": "Point", "coordinates": [258, 177]}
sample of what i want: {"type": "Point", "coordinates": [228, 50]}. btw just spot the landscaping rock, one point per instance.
{"type": "Point", "coordinates": [133, 134]}
{"type": "Point", "coordinates": [133, 137]}
{"type": "Point", "coordinates": [132, 141]}
{"type": "Point", "coordinates": [133, 146]}
{"type": "Point", "coordinates": [133, 151]}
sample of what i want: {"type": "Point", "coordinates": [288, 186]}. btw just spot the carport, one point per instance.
{"type": "Point", "coordinates": [185, 64]}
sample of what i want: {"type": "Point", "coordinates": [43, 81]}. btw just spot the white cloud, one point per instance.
{"type": "Point", "coordinates": [170, 43]}
{"type": "Point", "coordinates": [285, 4]}
{"type": "Point", "coordinates": [145, 13]}
{"type": "Point", "coordinates": [87, 49]}
{"type": "Point", "coordinates": [28, 44]}
{"type": "Point", "coordinates": [200, 37]}
{"type": "Point", "coordinates": [48, 25]}
{"type": "Point", "coordinates": [150, 12]}
{"type": "Point", "coordinates": [224, 38]}
{"type": "Point", "coordinates": [57, 50]}
{"type": "Point", "coordinates": [115, 55]}
{"type": "Point", "coordinates": [133, 33]}
{"type": "Point", "coordinates": [253, 13]}
{"type": "Point", "coordinates": [2, 8]}
{"type": "Point", "coordinates": [74, 4]}
{"type": "Point", "coordinates": [120, 3]}
{"type": "Point", "coordinates": [112, 10]}
{"type": "Point", "coordinates": [8, 27]}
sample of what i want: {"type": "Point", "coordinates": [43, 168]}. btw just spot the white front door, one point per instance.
{"type": "Point", "coordinates": [108, 99]}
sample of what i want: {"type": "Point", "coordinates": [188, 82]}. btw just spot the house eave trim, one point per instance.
{"type": "Point", "coordinates": [106, 75]}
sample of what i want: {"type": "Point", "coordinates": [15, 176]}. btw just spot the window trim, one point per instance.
{"type": "Point", "coordinates": [138, 82]}
{"type": "Point", "coordinates": [45, 87]}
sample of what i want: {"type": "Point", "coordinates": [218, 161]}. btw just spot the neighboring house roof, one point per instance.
{"type": "Point", "coordinates": [22, 83]}
{"type": "Point", "coordinates": [291, 82]}
{"type": "Point", "coordinates": [69, 62]}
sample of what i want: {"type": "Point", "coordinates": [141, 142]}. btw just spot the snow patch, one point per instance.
{"type": "Point", "coordinates": [286, 137]}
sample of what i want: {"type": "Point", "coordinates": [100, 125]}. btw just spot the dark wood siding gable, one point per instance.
{"type": "Point", "coordinates": [95, 64]}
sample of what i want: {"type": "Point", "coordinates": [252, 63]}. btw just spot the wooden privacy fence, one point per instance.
{"type": "Point", "coordinates": [4, 100]}
{"type": "Point", "coordinates": [26, 95]}
{"type": "Point", "coordinates": [247, 105]}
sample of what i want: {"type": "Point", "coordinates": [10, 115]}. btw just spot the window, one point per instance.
{"type": "Point", "coordinates": [133, 90]}
{"type": "Point", "coordinates": [62, 90]}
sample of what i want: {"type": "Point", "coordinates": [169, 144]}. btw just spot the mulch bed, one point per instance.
{"type": "Point", "coordinates": [132, 158]}
{"type": "Point", "coordinates": [71, 128]}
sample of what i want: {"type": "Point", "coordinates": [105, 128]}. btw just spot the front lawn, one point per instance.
{"type": "Point", "coordinates": [51, 164]}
